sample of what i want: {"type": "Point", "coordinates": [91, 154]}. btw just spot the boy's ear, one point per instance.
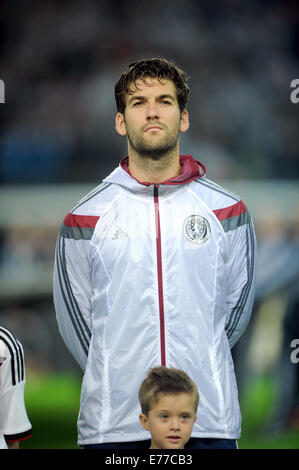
{"type": "Point", "coordinates": [144, 421]}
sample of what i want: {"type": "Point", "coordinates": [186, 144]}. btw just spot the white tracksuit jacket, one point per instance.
{"type": "Point", "coordinates": [154, 274]}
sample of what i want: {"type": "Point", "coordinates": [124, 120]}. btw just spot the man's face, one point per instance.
{"type": "Point", "coordinates": [152, 119]}
{"type": "Point", "coordinates": [170, 421]}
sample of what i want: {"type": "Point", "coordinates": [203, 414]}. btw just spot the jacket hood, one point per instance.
{"type": "Point", "coordinates": [191, 170]}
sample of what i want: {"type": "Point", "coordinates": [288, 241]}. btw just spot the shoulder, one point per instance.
{"type": "Point", "coordinates": [227, 206]}
{"type": "Point", "coordinates": [8, 341]}
{"type": "Point", "coordinates": [215, 195]}
{"type": "Point", "coordinates": [95, 200]}
{"type": "Point", "coordinates": [80, 222]}
{"type": "Point", "coordinates": [12, 355]}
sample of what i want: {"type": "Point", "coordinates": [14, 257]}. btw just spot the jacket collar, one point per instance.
{"type": "Point", "coordinates": [190, 170]}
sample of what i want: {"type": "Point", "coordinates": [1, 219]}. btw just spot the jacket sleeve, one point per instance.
{"type": "Point", "coordinates": [72, 289]}
{"type": "Point", "coordinates": [241, 270]}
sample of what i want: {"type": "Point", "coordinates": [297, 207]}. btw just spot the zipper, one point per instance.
{"type": "Point", "coordinates": [160, 277]}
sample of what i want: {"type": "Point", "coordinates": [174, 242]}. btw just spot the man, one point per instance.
{"type": "Point", "coordinates": [14, 422]}
{"type": "Point", "coordinates": [154, 267]}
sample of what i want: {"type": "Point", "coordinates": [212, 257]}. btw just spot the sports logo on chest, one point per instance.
{"type": "Point", "coordinates": [196, 229]}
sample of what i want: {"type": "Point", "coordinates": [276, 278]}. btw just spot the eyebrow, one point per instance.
{"type": "Point", "coordinates": [160, 97]}
{"type": "Point", "coordinates": [169, 411]}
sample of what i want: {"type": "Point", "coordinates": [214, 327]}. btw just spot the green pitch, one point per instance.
{"type": "Point", "coordinates": [52, 403]}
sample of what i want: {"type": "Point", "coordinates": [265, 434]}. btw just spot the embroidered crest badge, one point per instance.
{"type": "Point", "coordinates": [196, 229]}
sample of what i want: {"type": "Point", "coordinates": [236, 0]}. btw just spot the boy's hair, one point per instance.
{"type": "Point", "coordinates": [158, 68]}
{"type": "Point", "coordinates": [164, 381]}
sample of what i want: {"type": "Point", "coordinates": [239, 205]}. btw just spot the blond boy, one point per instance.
{"type": "Point", "coordinates": [169, 401]}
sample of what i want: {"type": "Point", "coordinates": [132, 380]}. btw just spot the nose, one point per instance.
{"type": "Point", "coordinates": [152, 111]}
{"type": "Point", "coordinates": [175, 426]}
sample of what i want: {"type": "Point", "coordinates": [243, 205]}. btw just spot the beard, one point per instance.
{"type": "Point", "coordinates": [154, 149]}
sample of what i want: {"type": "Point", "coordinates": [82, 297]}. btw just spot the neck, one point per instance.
{"type": "Point", "coordinates": [146, 169]}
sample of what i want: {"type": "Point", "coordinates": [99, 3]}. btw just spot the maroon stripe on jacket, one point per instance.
{"type": "Point", "coordinates": [231, 211]}
{"type": "Point", "coordinates": [82, 221]}
{"type": "Point", "coordinates": [160, 277]}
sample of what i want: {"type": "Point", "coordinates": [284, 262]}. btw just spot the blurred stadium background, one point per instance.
{"type": "Point", "coordinates": [59, 61]}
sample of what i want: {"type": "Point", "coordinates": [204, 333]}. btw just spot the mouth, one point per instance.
{"type": "Point", "coordinates": [174, 439]}
{"type": "Point", "coordinates": [153, 128]}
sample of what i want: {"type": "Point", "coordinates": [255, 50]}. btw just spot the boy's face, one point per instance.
{"type": "Point", "coordinates": [170, 421]}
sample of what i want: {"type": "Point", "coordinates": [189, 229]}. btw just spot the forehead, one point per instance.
{"type": "Point", "coordinates": [151, 87]}
{"type": "Point", "coordinates": [175, 401]}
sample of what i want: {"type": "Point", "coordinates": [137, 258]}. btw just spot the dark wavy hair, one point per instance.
{"type": "Point", "coordinates": [158, 68]}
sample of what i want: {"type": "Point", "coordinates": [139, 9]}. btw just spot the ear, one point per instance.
{"type": "Point", "coordinates": [184, 121]}
{"type": "Point", "coordinates": [144, 421]}
{"type": "Point", "coordinates": [120, 124]}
